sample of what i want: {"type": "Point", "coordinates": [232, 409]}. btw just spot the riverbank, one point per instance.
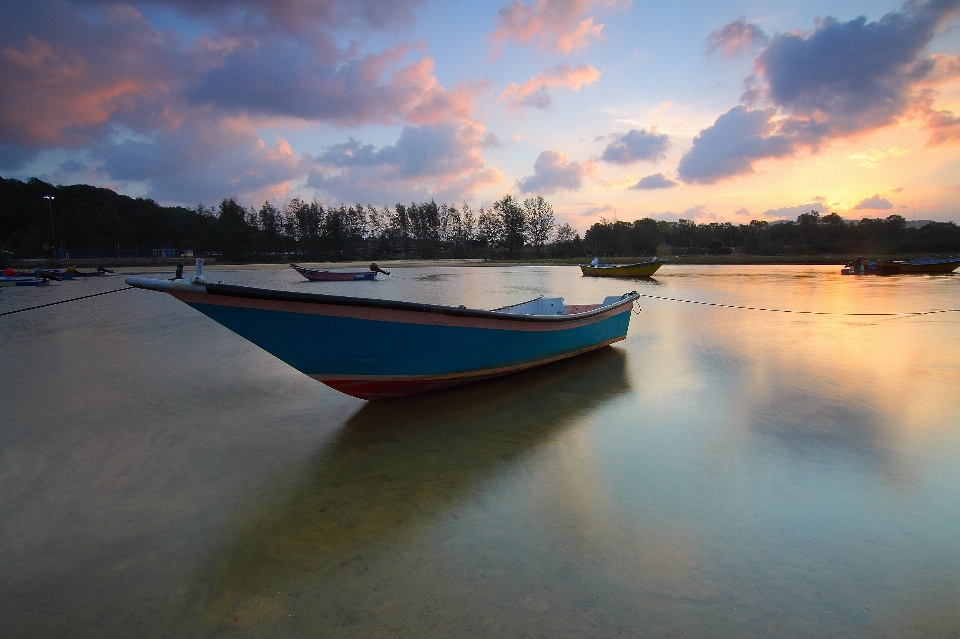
{"type": "Point", "coordinates": [160, 263]}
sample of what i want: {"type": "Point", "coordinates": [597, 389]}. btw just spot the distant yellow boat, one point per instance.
{"type": "Point", "coordinates": [639, 269]}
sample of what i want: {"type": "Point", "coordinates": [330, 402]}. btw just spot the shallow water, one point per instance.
{"type": "Point", "coordinates": [721, 472]}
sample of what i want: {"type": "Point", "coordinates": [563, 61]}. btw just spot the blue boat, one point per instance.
{"type": "Point", "coordinates": [373, 348]}
{"type": "Point", "coordinates": [21, 280]}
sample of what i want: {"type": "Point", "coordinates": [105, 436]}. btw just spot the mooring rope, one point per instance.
{"type": "Point", "coordinates": [72, 299]}
{"type": "Point", "coordinates": [780, 310]}
{"type": "Point", "coordinates": [653, 297]}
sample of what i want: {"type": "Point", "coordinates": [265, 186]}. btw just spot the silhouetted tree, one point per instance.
{"type": "Point", "coordinates": [538, 215]}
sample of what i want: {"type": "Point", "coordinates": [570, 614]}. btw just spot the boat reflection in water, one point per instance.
{"type": "Point", "coordinates": [397, 468]}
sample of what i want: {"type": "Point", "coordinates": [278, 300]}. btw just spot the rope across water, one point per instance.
{"type": "Point", "coordinates": [653, 297]}
{"type": "Point", "coordinates": [72, 299]}
{"type": "Point", "coordinates": [780, 310]}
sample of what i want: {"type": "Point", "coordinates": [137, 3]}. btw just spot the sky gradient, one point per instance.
{"type": "Point", "coordinates": [709, 111]}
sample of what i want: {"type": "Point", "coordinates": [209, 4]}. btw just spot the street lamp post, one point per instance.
{"type": "Point", "coordinates": [53, 235]}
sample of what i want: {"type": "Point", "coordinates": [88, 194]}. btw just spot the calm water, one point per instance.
{"type": "Point", "coordinates": [719, 473]}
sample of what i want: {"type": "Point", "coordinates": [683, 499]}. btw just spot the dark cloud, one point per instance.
{"type": "Point", "coordinates": [857, 75]}
{"type": "Point", "coordinates": [294, 16]}
{"type": "Point", "coordinates": [80, 74]}
{"type": "Point", "coordinates": [605, 212]}
{"type": "Point", "coordinates": [636, 145]}
{"type": "Point", "coordinates": [667, 216]}
{"type": "Point", "coordinates": [14, 157]}
{"type": "Point", "coordinates": [843, 79]}
{"type": "Point", "coordinates": [203, 160]}
{"type": "Point", "coordinates": [738, 138]}
{"type": "Point", "coordinates": [655, 181]}
{"type": "Point", "coordinates": [279, 77]}
{"type": "Point", "coordinates": [736, 37]}
{"type": "Point", "coordinates": [177, 112]}
{"type": "Point", "coordinates": [551, 173]}
{"type": "Point", "coordinates": [539, 98]}
{"type": "Point", "coordinates": [697, 212]}
{"type": "Point", "coordinates": [432, 160]}
{"type": "Point", "coordinates": [873, 203]}
{"type": "Point", "coordinates": [794, 211]}
{"type": "Point", "coordinates": [420, 151]}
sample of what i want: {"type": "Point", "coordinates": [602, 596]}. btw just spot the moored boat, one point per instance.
{"type": "Point", "coordinates": [39, 277]}
{"type": "Point", "coordinates": [920, 266]}
{"type": "Point", "coordinates": [638, 269]}
{"type": "Point", "coordinates": [372, 348]}
{"type": "Point", "coordinates": [21, 280]}
{"type": "Point", "coordinates": [72, 271]}
{"type": "Point", "coordinates": [321, 275]}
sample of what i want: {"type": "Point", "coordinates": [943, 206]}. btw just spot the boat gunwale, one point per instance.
{"type": "Point", "coordinates": [248, 292]}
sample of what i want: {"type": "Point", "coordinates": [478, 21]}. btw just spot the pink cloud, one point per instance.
{"type": "Point", "coordinates": [561, 26]}
{"type": "Point", "coordinates": [206, 158]}
{"type": "Point", "coordinates": [70, 78]}
{"type": "Point", "coordinates": [534, 93]}
{"type": "Point", "coordinates": [179, 118]}
{"type": "Point", "coordinates": [59, 91]}
{"type": "Point", "coordinates": [944, 127]}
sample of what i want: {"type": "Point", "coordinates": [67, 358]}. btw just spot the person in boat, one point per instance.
{"type": "Point", "coordinates": [855, 266]}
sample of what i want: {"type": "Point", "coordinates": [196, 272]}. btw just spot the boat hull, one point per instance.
{"type": "Point", "coordinates": [641, 269]}
{"type": "Point", "coordinates": [908, 268]}
{"type": "Point", "coordinates": [374, 349]}
{"type": "Point", "coordinates": [317, 275]}
{"type": "Point", "coordinates": [338, 277]}
{"type": "Point", "coordinates": [926, 266]}
{"type": "Point", "coordinates": [23, 281]}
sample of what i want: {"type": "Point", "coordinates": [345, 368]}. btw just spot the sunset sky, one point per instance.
{"type": "Point", "coordinates": [698, 109]}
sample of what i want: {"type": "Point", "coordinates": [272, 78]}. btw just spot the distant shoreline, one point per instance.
{"type": "Point", "coordinates": [156, 264]}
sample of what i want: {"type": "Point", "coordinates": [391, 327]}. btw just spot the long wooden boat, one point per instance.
{"type": "Point", "coordinates": [320, 275]}
{"type": "Point", "coordinates": [921, 266]}
{"type": "Point", "coordinates": [373, 348]}
{"type": "Point", "coordinates": [638, 269]}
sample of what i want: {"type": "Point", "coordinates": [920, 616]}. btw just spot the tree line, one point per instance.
{"type": "Point", "coordinates": [82, 219]}
{"type": "Point", "coordinates": [811, 234]}
{"type": "Point", "coordinates": [425, 230]}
